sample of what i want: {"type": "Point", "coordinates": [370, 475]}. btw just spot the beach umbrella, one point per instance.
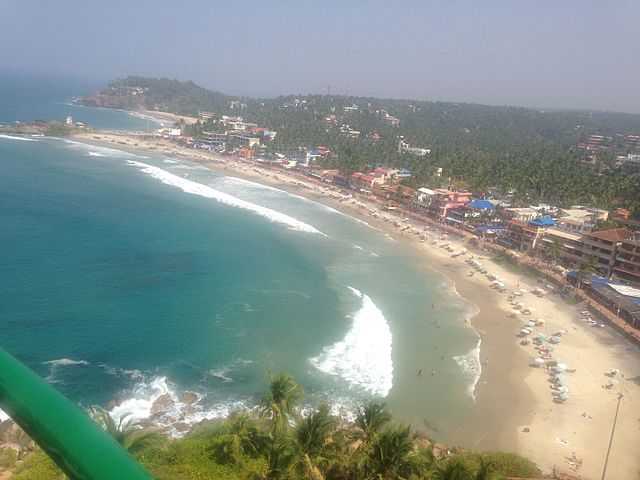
{"type": "Point", "coordinates": [559, 379]}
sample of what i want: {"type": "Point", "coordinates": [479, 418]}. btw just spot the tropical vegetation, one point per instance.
{"type": "Point", "coordinates": [529, 153]}
{"type": "Point", "coordinates": [281, 440]}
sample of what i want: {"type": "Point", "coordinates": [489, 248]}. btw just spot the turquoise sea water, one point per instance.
{"type": "Point", "coordinates": [125, 277]}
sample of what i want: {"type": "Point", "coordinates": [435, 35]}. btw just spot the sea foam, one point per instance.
{"type": "Point", "coordinates": [363, 357]}
{"type": "Point", "coordinates": [174, 413]}
{"type": "Point", "coordinates": [194, 188]}
{"type": "Point", "coordinates": [97, 151]}
{"type": "Point", "coordinates": [65, 362]}
{"type": "Point", "coordinates": [54, 365]}
{"type": "Point", "coordinates": [242, 181]}
{"type": "Point", "coordinates": [22, 139]}
{"type": "Point", "coordinates": [3, 416]}
{"type": "Point", "coordinates": [471, 367]}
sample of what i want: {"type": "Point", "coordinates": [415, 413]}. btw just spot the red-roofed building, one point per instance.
{"type": "Point", "coordinates": [388, 175]}
{"type": "Point", "coordinates": [444, 200]}
{"type": "Point", "coordinates": [362, 181]}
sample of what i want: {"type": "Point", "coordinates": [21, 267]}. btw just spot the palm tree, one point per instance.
{"type": "Point", "coordinates": [241, 437]}
{"type": "Point", "coordinates": [280, 459]}
{"type": "Point", "coordinates": [280, 401]}
{"type": "Point", "coordinates": [486, 470]}
{"type": "Point", "coordinates": [454, 469]}
{"type": "Point", "coordinates": [370, 421]}
{"type": "Point", "coordinates": [390, 455]}
{"type": "Point", "coordinates": [131, 436]}
{"type": "Point", "coordinates": [587, 267]}
{"type": "Point", "coordinates": [555, 250]}
{"type": "Point", "coordinates": [312, 436]}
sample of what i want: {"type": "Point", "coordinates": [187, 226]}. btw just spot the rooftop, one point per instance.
{"type": "Point", "coordinates": [563, 234]}
{"type": "Point", "coordinates": [611, 235]}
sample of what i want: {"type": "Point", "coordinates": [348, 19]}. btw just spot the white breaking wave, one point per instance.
{"type": "Point", "coordinates": [134, 374]}
{"type": "Point", "coordinates": [156, 401]}
{"type": "Point", "coordinates": [371, 253]}
{"type": "Point", "coordinates": [243, 181]}
{"type": "Point", "coordinates": [221, 374]}
{"type": "Point", "coordinates": [3, 416]}
{"type": "Point", "coordinates": [363, 357]}
{"type": "Point", "coordinates": [97, 151]}
{"type": "Point", "coordinates": [182, 166]}
{"type": "Point", "coordinates": [23, 139]}
{"type": "Point", "coordinates": [194, 188]}
{"type": "Point", "coordinates": [471, 367]}
{"type": "Point", "coordinates": [54, 365]}
{"type": "Point", "coordinates": [65, 362]}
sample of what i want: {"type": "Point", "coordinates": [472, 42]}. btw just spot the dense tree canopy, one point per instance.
{"type": "Point", "coordinates": [312, 446]}
{"type": "Point", "coordinates": [527, 151]}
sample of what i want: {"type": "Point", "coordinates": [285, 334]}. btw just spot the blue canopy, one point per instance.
{"type": "Point", "coordinates": [545, 221]}
{"type": "Point", "coordinates": [481, 204]}
{"type": "Point", "coordinates": [594, 280]}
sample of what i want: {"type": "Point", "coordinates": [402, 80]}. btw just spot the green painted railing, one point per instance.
{"type": "Point", "coordinates": [80, 447]}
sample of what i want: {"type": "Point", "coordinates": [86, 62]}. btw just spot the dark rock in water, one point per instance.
{"type": "Point", "coordinates": [189, 398]}
{"type": "Point", "coordinates": [162, 404]}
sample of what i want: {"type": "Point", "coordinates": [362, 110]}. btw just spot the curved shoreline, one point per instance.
{"type": "Point", "coordinates": [510, 394]}
{"type": "Point", "coordinates": [483, 409]}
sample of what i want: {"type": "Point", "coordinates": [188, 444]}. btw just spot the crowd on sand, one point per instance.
{"type": "Point", "coordinates": [572, 366]}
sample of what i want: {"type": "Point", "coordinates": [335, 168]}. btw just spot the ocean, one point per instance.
{"type": "Point", "coordinates": [126, 277]}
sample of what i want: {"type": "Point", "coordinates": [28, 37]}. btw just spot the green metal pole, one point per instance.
{"type": "Point", "coordinates": [80, 447]}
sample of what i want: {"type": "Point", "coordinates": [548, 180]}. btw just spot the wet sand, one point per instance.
{"type": "Point", "coordinates": [511, 396]}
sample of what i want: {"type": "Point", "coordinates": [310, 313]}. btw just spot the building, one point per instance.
{"type": "Point", "coordinates": [237, 140]}
{"type": "Point", "coordinates": [404, 147]}
{"type": "Point", "coordinates": [580, 219]}
{"type": "Point", "coordinates": [347, 131]}
{"type": "Point", "coordinates": [363, 181]}
{"type": "Point", "coordinates": [627, 264]}
{"type": "Point", "coordinates": [423, 198]}
{"type": "Point", "coordinates": [387, 175]}
{"type": "Point", "coordinates": [206, 116]}
{"type": "Point", "coordinates": [169, 132]}
{"type": "Point", "coordinates": [391, 120]}
{"type": "Point", "coordinates": [404, 173]}
{"type": "Point", "coordinates": [564, 246]}
{"type": "Point", "coordinates": [621, 300]}
{"type": "Point", "coordinates": [523, 215]}
{"type": "Point", "coordinates": [603, 246]}
{"type": "Point", "coordinates": [525, 235]}
{"type": "Point", "coordinates": [444, 200]}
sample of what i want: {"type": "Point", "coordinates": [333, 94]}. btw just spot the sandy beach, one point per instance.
{"type": "Point", "coordinates": [515, 409]}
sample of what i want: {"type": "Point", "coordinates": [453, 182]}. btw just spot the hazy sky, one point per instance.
{"type": "Point", "coordinates": [556, 53]}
